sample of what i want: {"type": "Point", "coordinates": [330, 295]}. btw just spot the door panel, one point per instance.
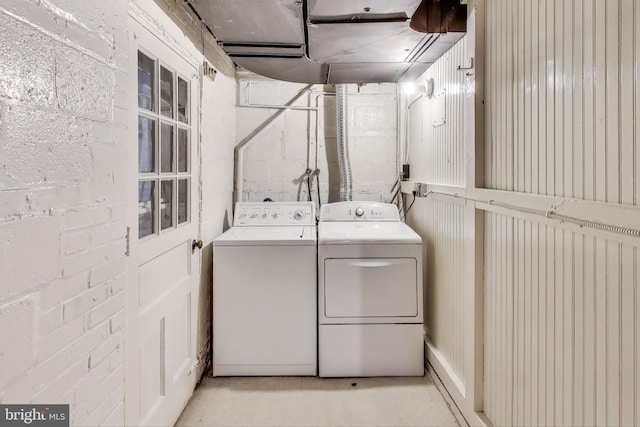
{"type": "Point", "coordinates": [150, 362]}
{"type": "Point", "coordinates": [160, 274]}
{"type": "Point", "coordinates": [166, 327]}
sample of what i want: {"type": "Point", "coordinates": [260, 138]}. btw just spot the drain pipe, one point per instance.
{"type": "Point", "coordinates": [343, 147]}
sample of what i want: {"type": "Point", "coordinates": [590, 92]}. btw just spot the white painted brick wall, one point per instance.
{"type": "Point", "coordinates": [64, 146]}
{"type": "Point", "coordinates": [63, 149]}
{"type": "Point", "coordinates": [279, 154]}
{"type": "Point", "coordinates": [218, 141]}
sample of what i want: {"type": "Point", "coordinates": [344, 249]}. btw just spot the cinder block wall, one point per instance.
{"type": "Point", "coordinates": [279, 150]}
{"type": "Point", "coordinates": [64, 150]}
{"type": "Point", "coordinates": [63, 147]}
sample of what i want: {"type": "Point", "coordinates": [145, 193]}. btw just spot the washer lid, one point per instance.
{"type": "Point", "coordinates": [356, 233]}
{"type": "Point", "coordinates": [267, 236]}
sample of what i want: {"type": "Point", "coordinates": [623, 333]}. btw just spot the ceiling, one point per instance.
{"type": "Point", "coordinates": [335, 41]}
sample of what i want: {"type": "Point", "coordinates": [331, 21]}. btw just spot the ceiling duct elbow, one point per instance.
{"type": "Point", "coordinates": [439, 16]}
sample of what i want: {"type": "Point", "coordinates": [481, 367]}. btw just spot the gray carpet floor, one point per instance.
{"type": "Point", "coordinates": [309, 401]}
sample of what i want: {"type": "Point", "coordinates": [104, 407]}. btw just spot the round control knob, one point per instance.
{"type": "Point", "coordinates": [359, 212]}
{"type": "Point", "coordinates": [299, 214]}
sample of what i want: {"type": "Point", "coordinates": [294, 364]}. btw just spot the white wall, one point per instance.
{"type": "Point", "coordinates": [218, 139]}
{"type": "Point", "coordinates": [561, 120]}
{"type": "Point", "coordinates": [437, 151]}
{"type": "Point", "coordinates": [537, 247]}
{"type": "Point", "coordinates": [64, 150]}
{"type": "Point", "coordinates": [279, 153]}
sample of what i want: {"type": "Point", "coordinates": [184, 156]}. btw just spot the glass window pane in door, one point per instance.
{"type": "Point", "coordinates": [166, 92]}
{"type": "Point", "coordinates": [183, 200]}
{"type": "Point", "coordinates": [146, 82]}
{"type": "Point", "coordinates": [183, 100]}
{"type": "Point", "coordinates": [146, 144]}
{"type": "Point", "coordinates": [166, 204]}
{"type": "Point", "coordinates": [183, 150]}
{"type": "Point", "coordinates": [167, 148]}
{"type": "Point", "coordinates": [146, 208]}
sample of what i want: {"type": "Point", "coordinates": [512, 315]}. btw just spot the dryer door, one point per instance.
{"type": "Point", "coordinates": [371, 288]}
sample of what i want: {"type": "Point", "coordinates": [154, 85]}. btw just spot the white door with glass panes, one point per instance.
{"type": "Point", "coordinates": [161, 300]}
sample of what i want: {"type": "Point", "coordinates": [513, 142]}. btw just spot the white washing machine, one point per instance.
{"type": "Point", "coordinates": [265, 292]}
{"type": "Point", "coordinates": [370, 310]}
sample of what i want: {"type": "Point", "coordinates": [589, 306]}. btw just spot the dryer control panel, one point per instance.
{"type": "Point", "coordinates": [268, 214]}
{"type": "Point", "coordinates": [359, 211]}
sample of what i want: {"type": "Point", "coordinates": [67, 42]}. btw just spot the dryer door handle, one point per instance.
{"type": "Point", "coordinates": [371, 264]}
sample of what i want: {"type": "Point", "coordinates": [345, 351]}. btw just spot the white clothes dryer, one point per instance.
{"type": "Point", "coordinates": [265, 292]}
{"type": "Point", "coordinates": [370, 309]}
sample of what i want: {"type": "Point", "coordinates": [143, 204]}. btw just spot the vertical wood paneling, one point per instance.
{"type": "Point", "coordinates": [437, 155]}
{"type": "Point", "coordinates": [561, 326]}
{"type": "Point", "coordinates": [441, 226]}
{"type": "Point", "coordinates": [519, 94]}
{"type": "Point", "coordinates": [612, 74]}
{"type": "Point", "coordinates": [557, 86]}
{"type": "Point", "coordinates": [626, 105]}
{"type": "Point", "coordinates": [599, 119]}
{"type": "Point", "coordinates": [627, 336]}
{"type": "Point", "coordinates": [561, 307]}
{"type": "Point", "coordinates": [568, 343]}
{"type": "Point", "coordinates": [580, 303]}
{"type": "Point", "coordinates": [550, 320]}
{"type": "Point", "coordinates": [489, 95]}
{"type": "Point", "coordinates": [613, 310]}
{"type": "Point", "coordinates": [601, 333]}
{"type": "Point", "coordinates": [549, 76]}
{"type": "Point", "coordinates": [562, 98]}
{"type": "Point", "coordinates": [568, 84]}
{"type": "Point", "coordinates": [588, 111]}
{"type": "Point", "coordinates": [636, 280]}
{"type": "Point", "coordinates": [636, 104]}
{"type": "Point", "coordinates": [590, 322]}
{"type": "Point", "coordinates": [534, 53]}
{"type": "Point", "coordinates": [578, 105]}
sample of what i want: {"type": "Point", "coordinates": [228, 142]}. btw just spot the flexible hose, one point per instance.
{"type": "Point", "coordinates": [343, 147]}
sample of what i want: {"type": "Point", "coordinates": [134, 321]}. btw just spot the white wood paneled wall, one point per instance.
{"type": "Point", "coordinates": [562, 98]}
{"type": "Point", "coordinates": [546, 308]}
{"type": "Point", "coordinates": [441, 225]}
{"type": "Point", "coordinates": [561, 326]}
{"type": "Point", "coordinates": [445, 144]}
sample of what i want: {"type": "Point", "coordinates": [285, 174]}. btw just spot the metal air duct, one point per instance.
{"type": "Point", "coordinates": [342, 120]}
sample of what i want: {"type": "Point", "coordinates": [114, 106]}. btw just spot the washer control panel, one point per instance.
{"type": "Point", "coordinates": [274, 214]}
{"type": "Point", "coordinates": [359, 211]}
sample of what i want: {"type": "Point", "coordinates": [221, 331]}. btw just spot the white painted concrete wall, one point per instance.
{"type": "Point", "coordinates": [537, 246]}
{"type": "Point", "coordinates": [64, 150]}
{"type": "Point", "coordinates": [218, 141]}
{"type": "Point", "coordinates": [277, 156]}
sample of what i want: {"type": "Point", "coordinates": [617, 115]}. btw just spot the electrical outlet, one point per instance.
{"type": "Point", "coordinates": [419, 189]}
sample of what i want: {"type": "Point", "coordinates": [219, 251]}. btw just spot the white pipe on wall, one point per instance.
{"type": "Point", "coordinates": [238, 151]}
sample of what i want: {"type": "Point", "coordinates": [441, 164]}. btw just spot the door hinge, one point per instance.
{"type": "Point", "coordinates": [127, 245]}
